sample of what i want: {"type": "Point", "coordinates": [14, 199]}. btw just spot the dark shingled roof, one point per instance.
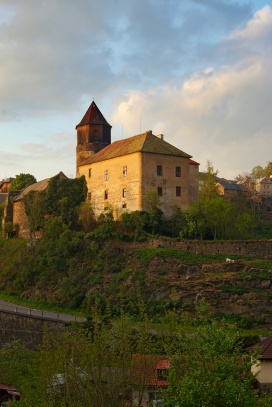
{"type": "Point", "coordinates": [93, 116]}
{"type": "Point", "coordinates": [264, 347]}
{"type": "Point", "coordinates": [144, 143]}
{"type": "Point", "coordinates": [230, 185]}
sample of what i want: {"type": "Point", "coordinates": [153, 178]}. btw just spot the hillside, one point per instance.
{"type": "Point", "coordinates": [77, 273]}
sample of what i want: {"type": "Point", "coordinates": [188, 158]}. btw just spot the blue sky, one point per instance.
{"type": "Point", "coordinates": [197, 71]}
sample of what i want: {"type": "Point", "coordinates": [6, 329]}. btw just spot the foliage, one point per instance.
{"type": "Point", "coordinates": [105, 227]}
{"type": "Point", "coordinates": [153, 202]}
{"type": "Point", "coordinates": [86, 217]}
{"type": "Point", "coordinates": [22, 181]}
{"type": "Point", "coordinates": [132, 225]}
{"type": "Point", "coordinates": [34, 203]}
{"type": "Point", "coordinates": [64, 195]}
{"type": "Point", "coordinates": [209, 370]}
{"type": "Point", "coordinates": [208, 178]}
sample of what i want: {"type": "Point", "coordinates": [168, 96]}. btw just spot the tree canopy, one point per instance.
{"type": "Point", "coordinates": [22, 181]}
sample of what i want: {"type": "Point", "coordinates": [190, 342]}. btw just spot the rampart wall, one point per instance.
{"type": "Point", "coordinates": [251, 248]}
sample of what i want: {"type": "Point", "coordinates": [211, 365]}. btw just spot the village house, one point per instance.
{"type": "Point", "coordinates": [120, 174]}
{"type": "Point", "coordinates": [148, 377]}
{"type": "Point", "coordinates": [264, 186]}
{"type": "Point", "coordinates": [230, 189]}
{"type": "Point", "coordinates": [15, 208]}
{"type": "Point", "coordinates": [262, 363]}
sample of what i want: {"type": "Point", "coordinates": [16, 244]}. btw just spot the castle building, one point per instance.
{"type": "Point", "coordinates": [120, 174]}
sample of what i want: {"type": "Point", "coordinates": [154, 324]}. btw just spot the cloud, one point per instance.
{"type": "Point", "coordinates": [218, 114]}
{"type": "Point", "coordinates": [197, 71]}
{"type": "Point", "coordinates": [55, 54]}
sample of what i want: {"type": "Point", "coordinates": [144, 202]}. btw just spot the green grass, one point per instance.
{"type": "Point", "coordinates": [145, 256]}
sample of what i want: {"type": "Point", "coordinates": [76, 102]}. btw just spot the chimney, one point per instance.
{"type": "Point", "coordinates": [161, 136]}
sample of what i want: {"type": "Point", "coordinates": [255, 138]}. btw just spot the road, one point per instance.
{"type": "Point", "coordinates": [22, 310]}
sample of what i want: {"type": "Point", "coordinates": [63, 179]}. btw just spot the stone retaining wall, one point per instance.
{"type": "Point", "coordinates": [252, 248]}
{"type": "Point", "coordinates": [28, 329]}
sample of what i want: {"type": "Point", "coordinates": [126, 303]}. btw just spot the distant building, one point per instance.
{"type": "Point", "coordinates": [120, 174]}
{"type": "Point", "coordinates": [229, 188]}
{"type": "Point", "coordinates": [5, 185]}
{"type": "Point", "coordinates": [148, 376]}
{"type": "Point", "coordinates": [264, 186]}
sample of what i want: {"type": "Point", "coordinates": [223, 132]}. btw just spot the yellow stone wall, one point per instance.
{"type": "Point", "coordinates": [141, 178]}
{"type": "Point", "coordinates": [97, 185]}
{"type": "Point", "coordinates": [168, 181]}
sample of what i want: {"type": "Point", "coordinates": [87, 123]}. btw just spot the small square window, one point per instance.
{"type": "Point", "coordinates": [106, 194]}
{"type": "Point", "coordinates": [178, 191]}
{"type": "Point", "coordinates": [159, 170]}
{"type": "Point", "coordinates": [124, 192]}
{"type": "Point", "coordinates": [106, 175]}
{"type": "Point", "coordinates": [125, 171]}
{"type": "Point", "coordinates": [124, 205]}
{"type": "Point", "coordinates": [178, 171]}
{"type": "Point", "coordinates": [90, 172]}
{"type": "Point", "coordinates": [159, 191]}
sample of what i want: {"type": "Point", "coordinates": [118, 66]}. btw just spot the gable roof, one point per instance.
{"type": "Point", "coordinates": [38, 186]}
{"type": "Point", "coordinates": [265, 347]}
{"type": "Point", "coordinates": [93, 116]}
{"type": "Point", "coordinates": [144, 143]}
{"type": "Point", "coordinates": [230, 185]}
{"type": "Point", "coordinates": [144, 370]}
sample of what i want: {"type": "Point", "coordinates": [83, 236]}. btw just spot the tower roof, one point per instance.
{"type": "Point", "coordinates": [93, 116]}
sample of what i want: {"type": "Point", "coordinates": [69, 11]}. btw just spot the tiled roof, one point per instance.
{"type": "Point", "coordinates": [145, 143]}
{"type": "Point", "coordinates": [144, 370]}
{"type": "Point", "coordinates": [38, 186]}
{"type": "Point", "coordinates": [192, 162]}
{"type": "Point", "coordinates": [264, 347]}
{"type": "Point", "coordinates": [93, 116]}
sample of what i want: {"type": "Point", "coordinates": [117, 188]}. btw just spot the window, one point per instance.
{"type": "Point", "coordinates": [90, 172]}
{"type": "Point", "coordinates": [125, 171]}
{"type": "Point", "coordinates": [106, 194]}
{"type": "Point", "coordinates": [159, 170]}
{"type": "Point", "coordinates": [89, 196]}
{"type": "Point", "coordinates": [106, 175]}
{"type": "Point", "coordinates": [159, 191]}
{"type": "Point", "coordinates": [178, 191]}
{"type": "Point", "coordinates": [124, 192]}
{"type": "Point", "coordinates": [124, 205]}
{"type": "Point", "coordinates": [162, 374]}
{"type": "Point", "coordinates": [178, 171]}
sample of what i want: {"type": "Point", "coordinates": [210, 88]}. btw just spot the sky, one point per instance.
{"type": "Point", "coordinates": [197, 71]}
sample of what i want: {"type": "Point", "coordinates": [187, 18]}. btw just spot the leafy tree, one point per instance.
{"type": "Point", "coordinates": [208, 181]}
{"type": "Point", "coordinates": [64, 195]}
{"type": "Point", "coordinates": [210, 370]}
{"type": "Point", "coordinates": [258, 172]}
{"type": "Point", "coordinates": [218, 213]}
{"type": "Point", "coordinates": [133, 224]}
{"type": "Point", "coordinates": [105, 227]}
{"type": "Point", "coordinates": [198, 222]}
{"type": "Point", "coordinates": [268, 169]}
{"type": "Point", "coordinates": [22, 181]}
{"type": "Point", "coordinates": [86, 217]}
{"type": "Point", "coordinates": [153, 201]}
{"type": "Point", "coordinates": [34, 203]}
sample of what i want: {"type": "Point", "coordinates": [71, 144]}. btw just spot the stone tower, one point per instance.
{"type": "Point", "coordinates": [93, 134]}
